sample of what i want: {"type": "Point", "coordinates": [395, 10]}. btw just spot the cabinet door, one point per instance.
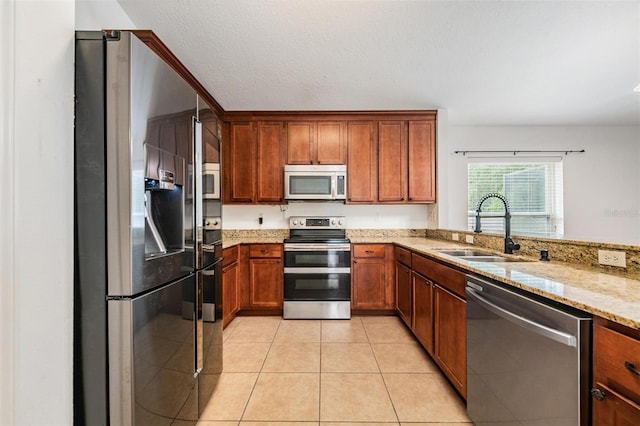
{"type": "Point", "coordinates": [423, 311]}
{"type": "Point", "coordinates": [362, 163]}
{"type": "Point", "coordinates": [331, 145]}
{"type": "Point", "coordinates": [422, 161]}
{"type": "Point", "coordinates": [404, 293]}
{"type": "Point", "coordinates": [270, 176]}
{"type": "Point", "coordinates": [239, 163]}
{"type": "Point", "coordinates": [451, 337]}
{"type": "Point", "coordinates": [614, 409]}
{"type": "Point", "coordinates": [392, 158]}
{"type": "Point", "coordinates": [230, 301]}
{"type": "Point", "coordinates": [210, 138]}
{"type": "Point", "coordinates": [300, 143]}
{"type": "Point", "coordinates": [368, 283]}
{"type": "Point", "coordinates": [265, 283]}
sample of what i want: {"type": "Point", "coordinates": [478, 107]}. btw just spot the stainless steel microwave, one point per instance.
{"type": "Point", "coordinates": [315, 182]}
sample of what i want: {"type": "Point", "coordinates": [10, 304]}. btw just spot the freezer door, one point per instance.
{"type": "Point", "coordinates": [151, 356]}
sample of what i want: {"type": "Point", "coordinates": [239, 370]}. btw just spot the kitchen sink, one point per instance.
{"type": "Point", "coordinates": [491, 258]}
{"type": "Point", "coordinates": [477, 256]}
{"type": "Point", "coordinates": [465, 253]}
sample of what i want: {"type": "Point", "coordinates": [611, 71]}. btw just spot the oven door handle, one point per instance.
{"type": "Point", "coordinates": [320, 270]}
{"type": "Point", "coordinates": [316, 247]}
{"type": "Point", "coordinates": [551, 333]}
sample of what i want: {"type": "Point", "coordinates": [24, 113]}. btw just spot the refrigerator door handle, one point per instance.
{"type": "Point", "coordinates": [198, 190]}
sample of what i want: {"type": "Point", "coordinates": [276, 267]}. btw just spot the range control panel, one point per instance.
{"type": "Point", "coordinates": [317, 222]}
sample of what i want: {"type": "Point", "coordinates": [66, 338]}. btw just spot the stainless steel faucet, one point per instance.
{"type": "Point", "coordinates": [509, 244]}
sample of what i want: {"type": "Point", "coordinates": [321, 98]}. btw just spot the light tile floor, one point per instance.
{"type": "Point", "coordinates": [364, 371]}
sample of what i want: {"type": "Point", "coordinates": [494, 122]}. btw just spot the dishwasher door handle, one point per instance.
{"type": "Point", "coordinates": [556, 335]}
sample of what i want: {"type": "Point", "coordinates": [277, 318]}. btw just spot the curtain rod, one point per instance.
{"type": "Point", "coordinates": [565, 151]}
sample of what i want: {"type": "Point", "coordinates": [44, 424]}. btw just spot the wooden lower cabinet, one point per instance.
{"type": "Point", "coordinates": [616, 374]}
{"type": "Point", "coordinates": [261, 278]}
{"type": "Point", "coordinates": [423, 311]}
{"type": "Point", "coordinates": [372, 283]}
{"type": "Point", "coordinates": [613, 409]}
{"type": "Point", "coordinates": [230, 302]}
{"type": "Point", "coordinates": [450, 325]}
{"type": "Point", "coordinates": [230, 277]}
{"type": "Point", "coordinates": [265, 283]}
{"type": "Point", "coordinates": [404, 294]}
{"type": "Point", "coordinates": [430, 301]}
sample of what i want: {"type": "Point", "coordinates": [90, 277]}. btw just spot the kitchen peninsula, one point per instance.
{"type": "Point", "coordinates": [610, 296]}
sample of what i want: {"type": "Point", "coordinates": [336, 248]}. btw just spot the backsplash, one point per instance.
{"type": "Point", "coordinates": [583, 253]}
{"type": "Point", "coordinates": [242, 234]}
{"type": "Point", "coordinates": [384, 233]}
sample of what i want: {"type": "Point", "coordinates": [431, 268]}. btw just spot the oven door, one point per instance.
{"type": "Point", "coordinates": [299, 255]}
{"type": "Point", "coordinates": [317, 284]}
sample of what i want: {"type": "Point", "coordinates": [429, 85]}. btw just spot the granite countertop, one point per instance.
{"type": "Point", "coordinates": [609, 296]}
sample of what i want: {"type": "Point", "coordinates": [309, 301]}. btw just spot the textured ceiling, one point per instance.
{"type": "Point", "coordinates": [486, 62]}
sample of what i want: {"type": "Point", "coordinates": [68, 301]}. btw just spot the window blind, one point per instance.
{"type": "Point", "coordinates": [533, 189]}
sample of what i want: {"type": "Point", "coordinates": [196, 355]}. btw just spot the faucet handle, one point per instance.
{"type": "Point", "coordinates": [511, 245]}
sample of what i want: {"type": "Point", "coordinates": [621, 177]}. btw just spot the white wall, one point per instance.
{"type": "Point", "coordinates": [601, 186]}
{"type": "Point", "coordinates": [37, 212]}
{"type": "Point", "coordinates": [101, 14]}
{"type": "Point", "coordinates": [358, 216]}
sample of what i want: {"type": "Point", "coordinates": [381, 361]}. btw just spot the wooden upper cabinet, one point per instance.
{"type": "Point", "coordinates": [422, 161]}
{"type": "Point", "coordinates": [331, 142]}
{"type": "Point", "coordinates": [271, 159]}
{"type": "Point", "coordinates": [239, 175]}
{"type": "Point", "coordinates": [300, 142]}
{"type": "Point", "coordinates": [390, 156]}
{"type": "Point", "coordinates": [406, 172]}
{"type": "Point", "coordinates": [253, 163]}
{"type": "Point", "coordinates": [321, 142]}
{"type": "Point", "coordinates": [362, 173]}
{"type": "Point", "coordinates": [392, 163]}
{"type": "Point", "coordinates": [211, 134]}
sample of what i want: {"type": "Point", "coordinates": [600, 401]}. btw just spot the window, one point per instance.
{"type": "Point", "coordinates": [532, 188]}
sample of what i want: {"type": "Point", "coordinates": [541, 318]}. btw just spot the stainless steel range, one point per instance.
{"type": "Point", "coordinates": [317, 269]}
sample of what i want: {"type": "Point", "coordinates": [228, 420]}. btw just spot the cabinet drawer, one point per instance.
{"type": "Point", "coordinates": [265, 250]}
{"type": "Point", "coordinates": [447, 277]}
{"type": "Point", "coordinates": [614, 409]}
{"type": "Point", "coordinates": [403, 256]}
{"type": "Point", "coordinates": [368, 250]}
{"type": "Point", "coordinates": [617, 361]}
{"type": "Point", "coordinates": [230, 255]}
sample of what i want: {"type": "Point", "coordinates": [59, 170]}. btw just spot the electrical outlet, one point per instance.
{"type": "Point", "coordinates": [455, 237]}
{"type": "Point", "coordinates": [469, 239]}
{"type": "Point", "coordinates": [612, 258]}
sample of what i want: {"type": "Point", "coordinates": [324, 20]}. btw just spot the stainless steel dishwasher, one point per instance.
{"type": "Point", "coordinates": [528, 358]}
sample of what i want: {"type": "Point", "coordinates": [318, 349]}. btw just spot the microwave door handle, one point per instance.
{"type": "Point", "coordinates": [334, 178]}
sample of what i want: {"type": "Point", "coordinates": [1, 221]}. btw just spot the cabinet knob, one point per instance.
{"type": "Point", "coordinates": [597, 394]}
{"type": "Point", "coordinates": [369, 251]}
{"type": "Point", "coordinates": [264, 251]}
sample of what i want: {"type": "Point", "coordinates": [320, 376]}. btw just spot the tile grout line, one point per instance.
{"type": "Point", "coordinates": [395, 411]}
{"type": "Point", "coordinates": [244, 410]}
{"type": "Point", "coordinates": [320, 375]}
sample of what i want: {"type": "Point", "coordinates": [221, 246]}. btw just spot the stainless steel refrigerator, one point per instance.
{"type": "Point", "coordinates": [147, 309]}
